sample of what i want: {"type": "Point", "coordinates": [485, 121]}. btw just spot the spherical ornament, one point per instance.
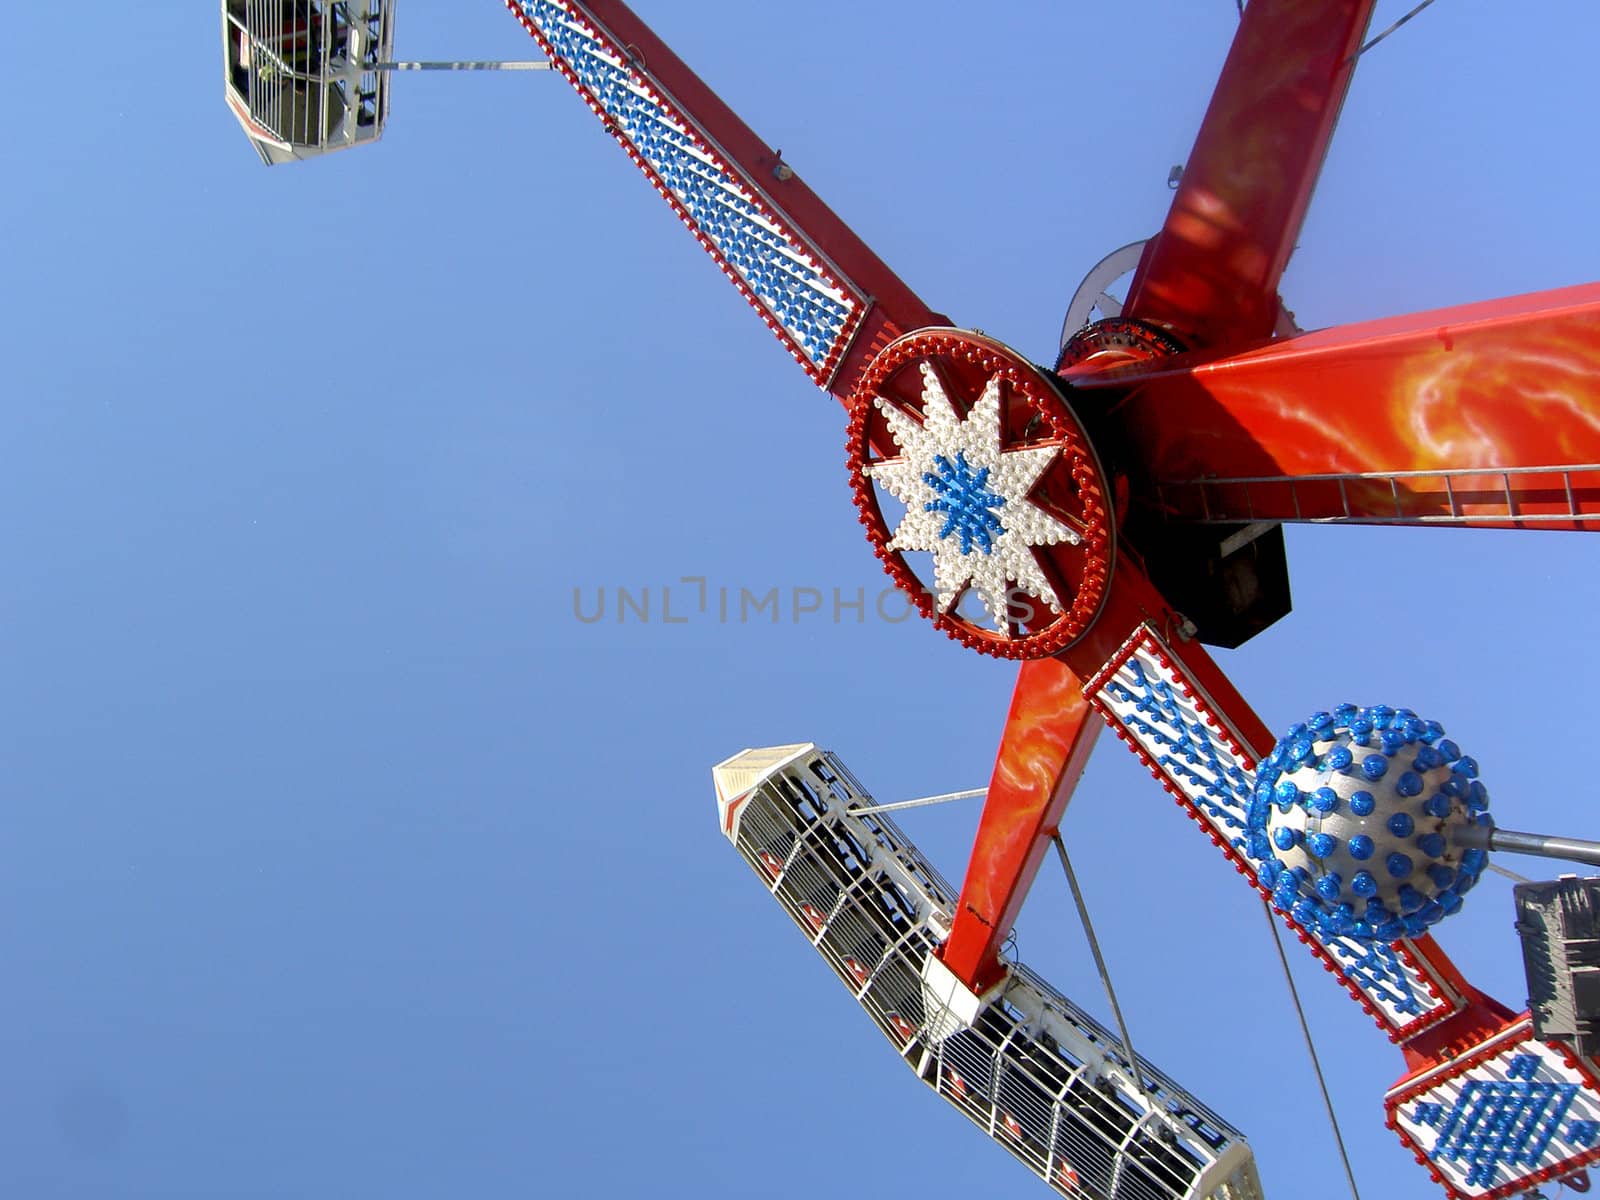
{"type": "Point", "coordinates": [1351, 823]}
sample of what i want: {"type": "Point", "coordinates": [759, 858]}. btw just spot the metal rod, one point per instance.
{"type": "Point", "coordinates": [1511, 875]}
{"type": "Point", "coordinates": [1311, 1049]}
{"type": "Point", "coordinates": [1385, 476]}
{"type": "Point", "coordinates": [542, 64]}
{"type": "Point", "coordinates": [880, 808]}
{"type": "Point", "coordinates": [1487, 837]}
{"type": "Point", "coordinates": [1100, 963]}
{"type": "Point", "coordinates": [1374, 41]}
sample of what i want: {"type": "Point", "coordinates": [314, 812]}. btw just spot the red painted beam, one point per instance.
{"type": "Point", "coordinates": [1048, 735]}
{"type": "Point", "coordinates": [1211, 275]}
{"type": "Point", "coordinates": [1509, 384]}
{"type": "Point", "coordinates": [1479, 1017]}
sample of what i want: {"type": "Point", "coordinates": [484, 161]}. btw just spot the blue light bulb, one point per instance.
{"type": "Point", "coordinates": [1409, 784]}
{"type": "Point", "coordinates": [1431, 844]}
{"type": "Point", "coordinates": [1362, 803]}
{"type": "Point", "coordinates": [1373, 766]}
{"type": "Point", "coordinates": [1401, 824]}
{"type": "Point", "coordinates": [1321, 844]}
{"type": "Point", "coordinates": [1361, 847]}
{"type": "Point", "coordinates": [1398, 865]}
{"type": "Point", "coordinates": [1363, 884]}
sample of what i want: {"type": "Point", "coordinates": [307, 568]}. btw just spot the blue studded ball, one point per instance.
{"type": "Point", "coordinates": [1351, 822]}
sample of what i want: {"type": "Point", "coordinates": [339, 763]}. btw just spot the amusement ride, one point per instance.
{"type": "Point", "coordinates": [1101, 519]}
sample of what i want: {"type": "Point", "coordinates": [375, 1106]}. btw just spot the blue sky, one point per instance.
{"type": "Point", "coordinates": [341, 859]}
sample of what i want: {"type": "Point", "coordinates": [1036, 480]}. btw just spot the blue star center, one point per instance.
{"type": "Point", "coordinates": [963, 496]}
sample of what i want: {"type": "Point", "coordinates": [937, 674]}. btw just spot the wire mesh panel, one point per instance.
{"type": "Point", "coordinates": [1559, 923]}
{"type": "Point", "coordinates": [1032, 1070]}
{"type": "Point", "coordinates": [302, 77]}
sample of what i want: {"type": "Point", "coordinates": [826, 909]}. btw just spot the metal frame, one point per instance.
{"type": "Point", "coordinates": [1219, 410]}
{"type": "Point", "coordinates": [305, 77]}
{"type": "Point", "coordinates": [1034, 1071]}
{"type": "Point", "coordinates": [1218, 416]}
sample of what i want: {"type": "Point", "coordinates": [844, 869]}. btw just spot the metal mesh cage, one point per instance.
{"type": "Point", "coordinates": [1559, 924]}
{"type": "Point", "coordinates": [301, 75]}
{"type": "Point", "coordinates": [1035, 1072]}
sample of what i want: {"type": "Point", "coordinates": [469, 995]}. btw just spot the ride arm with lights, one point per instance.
{"type": "Point", "coordinates": [830, 300]}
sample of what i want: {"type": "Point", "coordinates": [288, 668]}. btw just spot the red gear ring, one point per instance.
{"type": "Point", "coordinates": [1114, 342]}
{"type": "Point", "coordinates": [1067, 495]}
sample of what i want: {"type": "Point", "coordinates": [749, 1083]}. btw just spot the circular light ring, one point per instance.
{"type": "Point", "coordinates": [1033, 414]}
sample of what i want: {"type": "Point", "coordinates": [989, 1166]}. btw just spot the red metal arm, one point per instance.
{"type": "Point", "coordinates": [1508, 384]}
{"type": "Point", "coordinates": [828, 297]}
{"type": "Point", "coordinates": [1048, 735]}
{"type": "Point", "coordinates": [1211, 274]}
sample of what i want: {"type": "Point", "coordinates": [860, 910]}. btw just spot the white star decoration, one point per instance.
{"type": "Point", "coordinates": [988, 564]}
